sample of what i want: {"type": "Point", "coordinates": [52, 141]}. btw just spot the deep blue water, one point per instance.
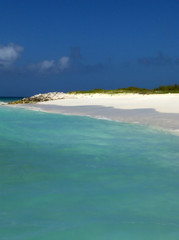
{"type": "Point", "coordinates": [69, 177]}
{"type": "Point", "coordinates": [9, 99]}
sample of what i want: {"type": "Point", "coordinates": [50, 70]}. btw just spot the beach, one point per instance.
{"type": "Point", "coordinates": [157, 110]}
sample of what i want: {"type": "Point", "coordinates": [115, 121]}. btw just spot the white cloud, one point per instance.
{"type": "Point", "coordinates": [51, 66]}
{"type": "Point", "coordinates": [64, 63]}
{"type": "Point", "coordinates": [46, 64]}
{"type": "Point", "coordinates": [9, 54]}
{"type": "Point", "coordinates": [42, 66]}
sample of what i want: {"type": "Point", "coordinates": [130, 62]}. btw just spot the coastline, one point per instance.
{"type": "Point", "coordinates": [156, 110]}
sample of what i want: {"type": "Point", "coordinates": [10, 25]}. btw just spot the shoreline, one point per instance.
{"type": "Point", "coordinates": [161, 111]}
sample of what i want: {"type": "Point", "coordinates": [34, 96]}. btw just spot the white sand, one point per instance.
{"type": "Point", "coordinates": [159, 110]}
{"type": "Point", "coordinates": [165, 103]}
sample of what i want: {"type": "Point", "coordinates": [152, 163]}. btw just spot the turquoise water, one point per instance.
{"type": "Point", "coordinates": [69, 177]}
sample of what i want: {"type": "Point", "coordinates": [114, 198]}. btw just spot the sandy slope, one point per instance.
{"type": "Point", "coordinates": [166, 103]}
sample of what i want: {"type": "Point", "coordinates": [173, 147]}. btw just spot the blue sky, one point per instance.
{"type": "Point", "coordinates": [74, 45]}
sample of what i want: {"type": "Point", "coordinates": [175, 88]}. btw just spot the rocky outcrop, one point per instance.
{"type": "Point", "coordinates": [43, 97]}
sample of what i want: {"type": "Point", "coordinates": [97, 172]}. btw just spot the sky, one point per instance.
{"type": "Point", "coordinates": [68, 45]}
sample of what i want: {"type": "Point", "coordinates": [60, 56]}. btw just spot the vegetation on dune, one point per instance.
{"type": "Point", "coordinates": [119, 90]}
{"type": "Point", "coordinates": [162, 89]}
{"type": "Point", "coordinates": [168, 89]}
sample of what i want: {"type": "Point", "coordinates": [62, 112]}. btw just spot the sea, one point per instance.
{"type": "Point", "coordinates": [79, 178]}
{"type": "Point", "coordinates": [4, 100]}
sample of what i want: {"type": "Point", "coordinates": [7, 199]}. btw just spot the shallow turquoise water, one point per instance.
{"type": "Point", "coordinates": [69, 177]}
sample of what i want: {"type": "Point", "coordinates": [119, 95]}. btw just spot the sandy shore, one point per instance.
{"type": "Point", "coordinates": [159, 110]}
